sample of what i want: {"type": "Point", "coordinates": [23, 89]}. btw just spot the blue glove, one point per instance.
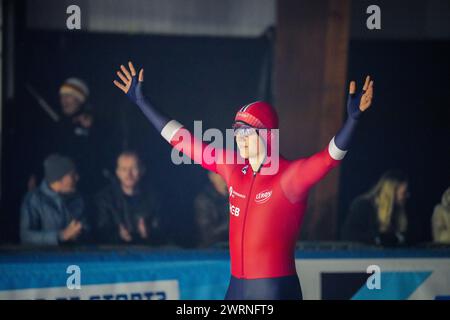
{"type": "Point", "coordinates": [135, 92]}
{"type": "Point", "coordinates": [353, 102]}
{"type": "Point", "coordinates": [132, 87]}
{"type": "Point", "coordinates": [344, 137]}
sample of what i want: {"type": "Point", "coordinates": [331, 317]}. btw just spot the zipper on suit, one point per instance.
{"type": "Point", "coordinates": [243, 227]}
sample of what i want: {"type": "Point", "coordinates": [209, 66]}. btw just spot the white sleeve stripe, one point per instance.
{"type": "Point", "coordinates": [170, 129]}
{"type": "Point", "coordinates": [335, 152]}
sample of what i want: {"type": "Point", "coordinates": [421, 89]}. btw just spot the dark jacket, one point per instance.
{"type": "Point", "coordinates": [362, 225]}
{"type": "Point", "coordinates": [114, 208]}
{"type": "Point", "coordinates": [211, 217]}
{"type": "Point", "coordinates": [92, 150]}
{"type": "Point", "coordinates": [44, 213]}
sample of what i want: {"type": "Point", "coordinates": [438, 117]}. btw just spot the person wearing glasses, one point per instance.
{"type": "Point", "coordinates": [266, 206]}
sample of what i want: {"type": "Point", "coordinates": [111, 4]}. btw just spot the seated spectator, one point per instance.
{"type": "Point", "coordinates": [379, 216]}
{"type": "Point", "coordinates": [53, 213]}
{"type": "Point", "coordinates": [441, 220]}
{"type": "Point", "coordinates": [128, 212]}
{"type": "Point", "coordinates": [211, 212]}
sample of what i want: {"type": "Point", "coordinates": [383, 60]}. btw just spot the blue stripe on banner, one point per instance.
{"type": "Point", "coordinates": [117, 255]}
{"type": "Point", "coordinates": [375, 253]}
{"type": "Point", "coordinates": [46, 270]}
{"type": "Point", "coordinates": [187, 255]}
{"type": "Point", "coordinates": [394, 286]}
{"type": "Point", "coordinates": [201, 274]}
{"type": "Point", "coordinates": [194, 282]}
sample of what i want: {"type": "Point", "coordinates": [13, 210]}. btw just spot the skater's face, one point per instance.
{"type": "Point", "coordinates": [69, 104]}
{"type": "Point", "coordinates": [128, 171]}
{"type": "Point", "coordinates": [250, 144]}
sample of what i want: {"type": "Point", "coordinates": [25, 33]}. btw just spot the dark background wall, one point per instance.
{"type": "Point", "coordinates": [408, 127]}
{"type": "Point", "coordinates": [189, 78]}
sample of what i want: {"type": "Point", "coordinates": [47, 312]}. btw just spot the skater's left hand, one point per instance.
{"type": "Point", "coordinates": [357, 103]}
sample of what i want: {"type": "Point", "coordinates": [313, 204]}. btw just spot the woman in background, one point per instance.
{"type": "Point", "coordinates": [441, 220]}
{"type": "Point", "coordinates": [379, 216]}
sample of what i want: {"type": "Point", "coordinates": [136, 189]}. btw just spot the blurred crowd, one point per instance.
{"type": "Point", "coordinates": [380, 216]}
{"type": "Point", "coordinates": [72, 205]}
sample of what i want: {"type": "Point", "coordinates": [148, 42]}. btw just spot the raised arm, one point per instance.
{"type": "Point", "coordinates": [171, 130]}
{"type": "Point", "coordinates": [132, 86]}
{"type": "Point", "coordinates": [304, 173]}
{"type": "Point", "coordinates": [357, 103]}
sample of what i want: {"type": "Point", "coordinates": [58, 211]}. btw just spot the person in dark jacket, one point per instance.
{"type": "Point", "coordinates": [379, 216]}
{"type": "Point", "coordinates": [54, 213]}
{"type": "Point", "coordinates": [126, 211]}
{"type": "Point", "coordinates": [211, 212]}
{"type": "Point", "coordinates": [83, 135]}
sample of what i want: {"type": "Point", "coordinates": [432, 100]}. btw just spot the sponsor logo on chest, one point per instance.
{"type": "Point", "coordinates": [233, 193]}
{"type": "Point", "coordinates": [263, 196]}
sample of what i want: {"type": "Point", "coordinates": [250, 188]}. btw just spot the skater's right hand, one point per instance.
{"type": "Point", "coordinates": [130, 85]}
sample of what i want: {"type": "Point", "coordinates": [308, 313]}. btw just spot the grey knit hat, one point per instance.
{"type": "Point", "coordinates": [75, 87]}
{"type": "Point", "coordinates": [57, 166]}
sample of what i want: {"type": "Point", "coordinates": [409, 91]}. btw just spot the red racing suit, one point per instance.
{"type": "Point", "coordinates": [266, 211]}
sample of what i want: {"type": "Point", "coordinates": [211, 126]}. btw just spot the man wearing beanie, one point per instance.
{"type": "Point", "coordinates": [81, 136]}
{"type": "Point", "coordinates": [53, 213]}
{"type": "Point", "coordinates": [73, 94]}
{"type": "Point", "coordinates": [52, 137]}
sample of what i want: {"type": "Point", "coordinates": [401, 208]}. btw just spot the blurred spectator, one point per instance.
{"type": "Point", "coordinates": [53, 213]}
{"type": "Point", "coordinates": [441, 220]}
{"type": "Point", "coordinates": [128, 212]}
{"type": "Point", "coordinates": [379, 216]}
{"type": "Point", "coordinates": [80, 135]}
{"type": "Point", "coordinates": [211, 212]}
